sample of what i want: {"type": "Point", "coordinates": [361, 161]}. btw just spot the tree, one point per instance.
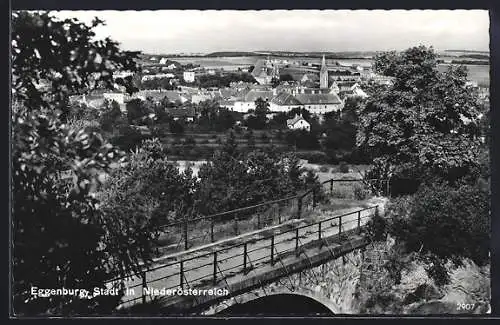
{"type": "Point", "coordinates": [233, 180]}
{"type": "Point", "coordinates": [261, 108]}
{"type": "Point", "coordinates": [54, 58]}
{"type": "Point", "coordinates": [426, 124]}
{"type": "Point", "coordinates": [286, 77]}
{"type": "Point", "coordinates": [57, 227]}
{"type": "Point", "coordinates": [260, 120]}
{"type": "Point", "coordinates": [128, 137]}
{"type": "Point", "coordinates": [151, 189]}
{"type": "Point", "coordinates": [60, 237]}
{"type": "Point", "coordinates": [176, 127]}
{"type": "Point", "coordinates": [111, 117]}
{"type": "Point", "coordinates": [275, 82]}
{"type": "Point", "coordinates": [137, 111]}
{"type": "Point", "coordinates": [302, 139]}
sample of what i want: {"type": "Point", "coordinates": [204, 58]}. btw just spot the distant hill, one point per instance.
{"type": "Point", "coordinates": [221, 54]}
{"type": "Point", "coordinates": [328, 55]}
{"type": "Point", "coordinates": [476, 56]}
{"type": "Point", "coordinates": [468, 51]}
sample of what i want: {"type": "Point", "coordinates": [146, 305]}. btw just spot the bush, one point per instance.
{"type": "Point", "coordinates": [324, 169]}
{"type": "Point", "coordinates": [313, 157]}
{"type": "Point", "coordinates": [377, 227]}
{"type": "Point", "coordinates": [128, 139]}
{"type": "Point", "coordinates": [341, 193]}
{"type": "Point", "coordinates": [360, 193]}
{"type": "Point", "coordinates": [451, 222]}
{"type": "Point", "coordinates": [190, 142]}
{"type": "Point", "coordinates": [443, 223]}
{"type": "Point", "coordinates": [158, 132]}
{"type": "Point", "coordinates": [176, 127]}
{"type": "Point", "coordinates": [343, 167]}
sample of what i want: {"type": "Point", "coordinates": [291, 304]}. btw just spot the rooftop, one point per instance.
{"type": "Point", "coordinates": [252, 95]}
{"type": "Point", "coordinates": [312, 99]}
{"type": "Point", "coordinates": [285, 99]}
{"type": "Point", "coordinates": [295, 120]}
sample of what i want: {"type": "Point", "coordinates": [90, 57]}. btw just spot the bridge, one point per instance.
{"type": "Point", "coordinates": [208, 264]}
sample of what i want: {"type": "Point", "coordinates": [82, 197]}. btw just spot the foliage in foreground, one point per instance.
{"type": "Point", "coordinates": [232, 179]}
{"type": "Point", "coordinates": [61, 238]}
{"type": "Point", "coordinates": [426, 125]}
{"type": "Point", "coordinates": [441, 224]}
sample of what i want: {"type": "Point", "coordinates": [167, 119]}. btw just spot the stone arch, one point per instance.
{"type": "Point", "coordinates": [270, 292]}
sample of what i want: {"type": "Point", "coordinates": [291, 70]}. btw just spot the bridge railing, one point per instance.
{"type": "Point", "coordinates": [213, 268]}
{"type": "Point", "coordinates": [195, 232]}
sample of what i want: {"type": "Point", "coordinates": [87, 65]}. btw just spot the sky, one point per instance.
{"type": "Point", "coordinates": [195, 31]}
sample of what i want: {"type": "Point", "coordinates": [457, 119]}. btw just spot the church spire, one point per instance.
{"type": "Point", "coordinates": [323, 74]}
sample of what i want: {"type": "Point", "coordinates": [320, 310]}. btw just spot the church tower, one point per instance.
{"type": "Point", "coordinates": [323, 75]}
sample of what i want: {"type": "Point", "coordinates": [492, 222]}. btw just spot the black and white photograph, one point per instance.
{"type": "Point", "coordinates": [255, 163]}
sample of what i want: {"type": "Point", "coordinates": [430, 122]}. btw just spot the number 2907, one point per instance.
{"type": "Point", "coordinates": [467, 307]}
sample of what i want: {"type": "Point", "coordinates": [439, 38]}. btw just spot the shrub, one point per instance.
{"type": "Point", "coordinates": [360, 193]}
{"type": "Point", "coordinates": [189, 141]}
{"type": "Point", "coordinates": [128, 139]}
{"type": "Point", "coordinates": [158, 132]}
{"type": "Point", "coordinates": [343, 167]}
{"type": "Point", "coordinates": [377, 227]}
{"type": "Point", "coordinates": [341, 193]}
{"type": "Point", "coordinates": [443, 223]}
{"type": "Point", "coordinates": [450, 222]}
{"type": "Point", "coordinates": [324, 169]}
{"type": "Point", "coordinates": [313, 157]}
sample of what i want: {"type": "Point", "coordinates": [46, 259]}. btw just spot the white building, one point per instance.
{"type": "Point", "coordinates": [247, 102]}
{"type": "Point", "coordinates": [320, 103]}
{"type": "Point", "coordinates": [122, 74]}
{"type": "Point", "coordinates": [197, 98]}
{"type": "Point", "coordinates": [284, 102]}
{"type": "Point", "coordinates": [188, 76]}
{"type": "Point", "coordinates": [297, 123]}
{"type": "Point", "coordinates": [157, 76]}
{"type": "Point", "coordinates": [358, 92]}
{"type": "Point", "coordinates": [117, 97]}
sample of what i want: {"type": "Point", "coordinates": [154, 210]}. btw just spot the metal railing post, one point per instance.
{"type": "Point", "coordinates": [297, 241]}
{"type": "Point", "coordinates": [359, 222]}
{"type": "Point", "coordinates": [299, 207]}
{"type": "Point", "coordinates": [236, 223]}
{"type": "Point", "coordinates": [258, 220]}
{"type": "Point", "coordinates": [144, 286]}
{"type": "Point", "coordinates": [319, 230]}
{"type": "Point", "coordinates": [340, 225]}
{"type": "Point", "coordinates": [272, 250]}
{"type": "Point", "coordinates": [331, 186]}
{"type": "Point", "coordinates": [215, 268]}
{"type": "Point", "coordinates": [314, 197]}
{"type": "Point", "coordinates": [182, 274]}
{"type": "Point", "coordinates": [245, 257]}
{"type": "Point", "coordinates": [212, 230]}
{"type": "Point", "coordinates": [186, 233]}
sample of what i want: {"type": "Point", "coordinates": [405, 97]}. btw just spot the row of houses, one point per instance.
{"type": "Point", "coordinates": [241, 97]}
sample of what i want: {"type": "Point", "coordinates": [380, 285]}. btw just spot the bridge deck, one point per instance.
{"type": "Point", "coordinates": [265, 258]}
